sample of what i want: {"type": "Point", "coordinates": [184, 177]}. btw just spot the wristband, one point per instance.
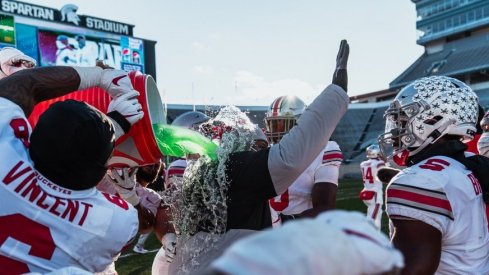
{"type": "Point", "coordinates": [121, 120]}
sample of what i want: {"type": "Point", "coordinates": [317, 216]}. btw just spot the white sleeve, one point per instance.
{"type": "Point", "coordinates": [89, 76]}
{"type": "Point", "coordinates": [297, 149]}
{"type": "Point", "coordinates": [15, 130]}
{"type": "Point", "coordinates": [403, 199]}
{"type": "Point", "coordinates": [327, 173]}
{"type": "Point", "coordinates": [329, 169]}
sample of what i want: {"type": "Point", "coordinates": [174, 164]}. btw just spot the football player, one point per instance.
{"type": "Point", "coordinates": [51, 214]}
{"type": "Point", "coordinates": [372, 193]}
{"type": "Point", "coordinates": [435, 206]}
{"type": "Point", "coordinates": [315, 189]}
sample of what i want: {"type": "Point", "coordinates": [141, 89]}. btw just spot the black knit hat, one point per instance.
{"type": "Point", "coordinates": [71, 144]}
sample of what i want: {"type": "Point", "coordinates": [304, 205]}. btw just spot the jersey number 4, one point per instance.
{"type": "Point", "coordinates": [35, 237]}
{"type": "Point", "coordinates": [367, 174]}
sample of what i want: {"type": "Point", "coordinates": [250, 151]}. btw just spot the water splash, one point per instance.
{"type": "Point", "coordinates": [200, 202]}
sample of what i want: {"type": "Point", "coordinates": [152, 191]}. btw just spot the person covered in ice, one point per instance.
{"type": "Point", "coordinates": [223, 200]}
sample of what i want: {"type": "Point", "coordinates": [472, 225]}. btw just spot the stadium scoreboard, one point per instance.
{"type": "Point", "coordinates": [63, 37]}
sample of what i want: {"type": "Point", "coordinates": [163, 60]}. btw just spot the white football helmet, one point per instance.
{"type": "Point", "coordinates": [423, 112]}
{"type": "Point", "coordinates": [282, 115]}
{"type": "Point", "coordinates": [373, 151]}
{"type": "Point", "coordinates": [190, 120]}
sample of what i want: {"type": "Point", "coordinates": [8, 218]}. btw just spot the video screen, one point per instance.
{"type": "Point", "coordinates": [60, 48]}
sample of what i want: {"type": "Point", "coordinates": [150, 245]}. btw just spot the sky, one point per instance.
{"type": "Point", "coordinates": [250, 52]}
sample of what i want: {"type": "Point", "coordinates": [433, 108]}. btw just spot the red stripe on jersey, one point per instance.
{"type": "Point", "coordinates": [376, 211]}
{"type": "Point", "coordinates": [330, 156]}
{"type": "Point", "coordinates": [418, 198]}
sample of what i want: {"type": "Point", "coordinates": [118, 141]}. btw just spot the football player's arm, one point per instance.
{"type": "Point", "coordinates": [165, 231]}
{"type": "Point", "coordinates": [296, 150]}
{"type": "Point", "coordinates": [323, 194]}
{"type": "Point", "coordinates": [420, 243]}
{"type": "Point", "coordinates": [163, 224]}
{"type": "Point", "coordinates": [26, 88]}
{"type": "Point", "coordinates": [323, 198]}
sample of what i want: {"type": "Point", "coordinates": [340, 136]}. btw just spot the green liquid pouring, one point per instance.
{"type": "Point", "coordinates": [178, 142]}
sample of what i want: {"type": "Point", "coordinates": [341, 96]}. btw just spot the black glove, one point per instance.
{"type": "Point", "coordinates": [340, 76]}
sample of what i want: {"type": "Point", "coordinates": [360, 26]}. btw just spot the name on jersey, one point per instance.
{"type": "Point", "coordinates": [23, 180]}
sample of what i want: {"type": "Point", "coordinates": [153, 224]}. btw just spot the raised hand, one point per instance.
{"type": "Point", "coordinates": [342, 57]}
{"type": "Point", "coordinates": [340, 76]}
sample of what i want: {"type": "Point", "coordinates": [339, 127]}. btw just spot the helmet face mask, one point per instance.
{"type": "Point", "coordinates": [373, 151]}
{"type": "Point", "coordinates": [277, 127]}
{"type": "Point", "coordinates": [282, 115]}
{"type": "Point", "coordinates": [397, 136]}
{"type": "Point", "coordinates": [426, 110]}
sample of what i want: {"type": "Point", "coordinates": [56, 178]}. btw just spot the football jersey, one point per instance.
{"type": "Point", "coordinates": [43, 226]}
{"type": "Point", "coordinates": [174, 173]}
{"type": "Point", "coordinates": [369, 174]}
{"type": "Point", "coordinates": [444, 194]}
{"type": "Point", "coordinates": [297, 198]}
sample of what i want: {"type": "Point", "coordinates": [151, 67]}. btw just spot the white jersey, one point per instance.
{"type": "Point", "coordinates": [444, 194]}
{"type": "Point", "coordinates": [369, 174]}
{"type": "Point", "coordinates": [372, 193]}
{"type": "Point", "coordinates": [324, 168]}
{"type": "Point", "coordinates": [174, 173]}
{"type": "Point", "coordinates": [43, 226]}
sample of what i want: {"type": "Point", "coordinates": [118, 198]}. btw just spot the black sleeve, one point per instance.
{"type": "Point", "coordinates": [250, 180]}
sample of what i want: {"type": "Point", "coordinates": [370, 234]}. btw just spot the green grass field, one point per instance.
{"type": "Point", "coordinates": [132, 263]}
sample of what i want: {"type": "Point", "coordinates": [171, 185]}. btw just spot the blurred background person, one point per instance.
{"type": "Point", "coordinates": [372, 193]}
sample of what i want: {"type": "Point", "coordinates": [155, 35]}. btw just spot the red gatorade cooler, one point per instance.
{"type": "Point", "coordinates": [138, 147]}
